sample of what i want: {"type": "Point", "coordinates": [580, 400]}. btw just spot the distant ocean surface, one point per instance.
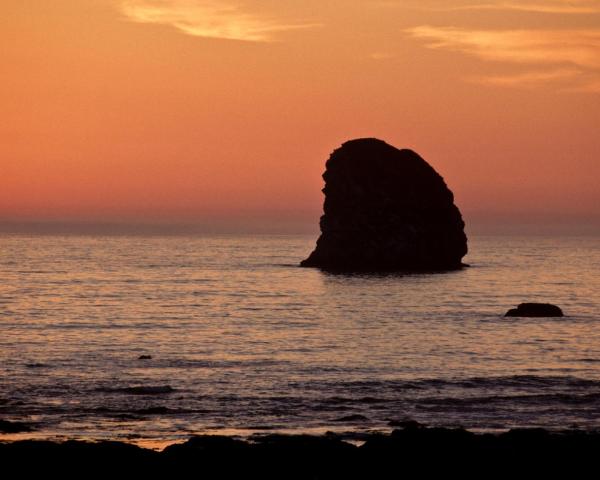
{"type": "Point", "coordinates": [248, 342]}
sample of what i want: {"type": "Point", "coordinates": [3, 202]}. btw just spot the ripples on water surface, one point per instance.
{"type": "Point", "coordinates": [249, 342]}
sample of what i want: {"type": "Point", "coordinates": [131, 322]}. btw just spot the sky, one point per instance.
{"type": "Point", "coordinates": [222, 113]}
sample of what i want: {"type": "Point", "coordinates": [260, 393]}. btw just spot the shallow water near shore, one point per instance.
{"type": "Point", "coordinates": [248, 342]}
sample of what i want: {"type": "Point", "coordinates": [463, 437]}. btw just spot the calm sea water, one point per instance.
{"type": "Point", "coordinates": [248, 342]}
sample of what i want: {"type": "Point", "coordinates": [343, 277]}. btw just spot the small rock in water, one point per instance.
{"type": "Point", "coordinates": [36, 365]}
{"type": "Point", "coordinates": [145, 357]}
{"type": "Point", "coordinates": [535, 310]}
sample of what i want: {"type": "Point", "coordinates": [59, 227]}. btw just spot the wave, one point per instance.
{"type": "Point", "coordinates": [139, 390]}
{"type": "Point", "coordinates": [513, 381]}
{"type": "Point", "coordinates": [533, 400]}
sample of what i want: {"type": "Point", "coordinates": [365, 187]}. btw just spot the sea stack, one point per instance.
{"type": "Point", "coordinates": [386, 210]}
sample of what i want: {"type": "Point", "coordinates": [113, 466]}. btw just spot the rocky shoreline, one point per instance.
{"type": "Point", "coordinates": [328, 456]}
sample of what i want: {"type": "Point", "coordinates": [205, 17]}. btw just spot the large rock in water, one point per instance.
{"type": "Point", "coordinates": [386, 210]}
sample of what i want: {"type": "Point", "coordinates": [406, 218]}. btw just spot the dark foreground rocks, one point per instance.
{"type": "Point", "coordinates": [535, 310]}
{"type": "Point", "coordinates": [403, 453]}
{"type": "Point", "coordinates": [386, 210]}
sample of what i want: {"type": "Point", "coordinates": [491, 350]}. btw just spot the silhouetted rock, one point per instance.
{"type": "Point", "coordinates": [535, 310]}
{"type": "Point", "coordinates": [440, 450]}
{"type": "Point", "coordinates": [145, 357]}
{"type": "Point", "coordinates": [386, 210]}
{"type": "Point", "coordinates": [207, 444]}
{"type": "Point", "coordinates": [80, 459]}
{"type": "Point", "coordinates": [406, 424]}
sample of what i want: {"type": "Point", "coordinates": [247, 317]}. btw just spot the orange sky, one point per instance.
{"type": "Point", "coordinates": [192, 110]}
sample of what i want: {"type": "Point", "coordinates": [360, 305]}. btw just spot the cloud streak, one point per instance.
{"type": "Point", "coordinates": [207, 18]}
{"type": "Point", "coordinates": [578, 47]}
{"type": "Point", "coordinates": [556, 6]}
{"type": "Point", "coordinates": [572, 55]}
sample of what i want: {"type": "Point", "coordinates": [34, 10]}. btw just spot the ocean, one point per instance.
{"type": "Point", "coordinates": [243, 341]}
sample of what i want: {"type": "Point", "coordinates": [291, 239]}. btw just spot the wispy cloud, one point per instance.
{"type": "Point", "coordinates": [527, 79]}
{"type": "Point", "coordinates": [568, 7]}
{"type": "Point", "coordinates": [554, 49]}
{"type": "Point", "coordinates": [578, 47]}
{"type": "Point", "coordinates": [208, 18]}
{"type": "Point", "coordinates": [548, 6]}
